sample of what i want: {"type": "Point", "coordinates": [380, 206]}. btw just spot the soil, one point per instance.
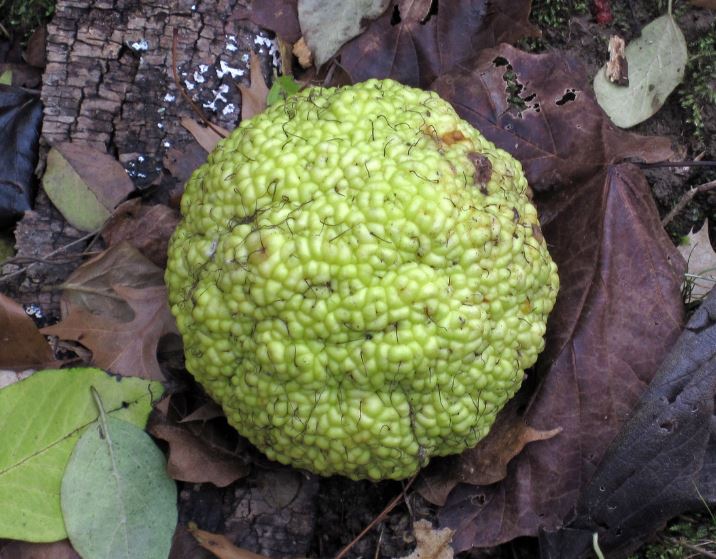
{"type": "Point", "coordinates": [277, 508]}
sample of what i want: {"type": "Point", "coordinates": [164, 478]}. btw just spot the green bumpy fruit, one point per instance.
{"type": "Point", "coordinates": [360, 280]}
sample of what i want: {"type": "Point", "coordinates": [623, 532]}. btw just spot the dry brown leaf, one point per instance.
{"type": "Point", "coordinates": [701, 260]}
{"type": "Point", "coordinates": [146, 228]}
{"type": "Point", "coordinates": [253, 98]}
{"type": "Point", "coordinates": [486, 463]}
{"type": "Point", "coordinates": [124, 348]}
{"type": "Point", "coordinates": [22, 346]}
{"type": "Point", "coordinates": [708, 4]}
{"type": "Point", "coordinates": [182, 162]}
{"type": "Point", "coordinates": [207, 137]}
{"type": "Point", "coordinates": [116, 306]}
{"type": "Point", "coordinates": [221, 546]}
{"type": "Point", "coordinates": [303, 53]}
{"type": "Point", "coordinates": [432, 543]}
{"type": "Point", "coordinates": [194, 459]}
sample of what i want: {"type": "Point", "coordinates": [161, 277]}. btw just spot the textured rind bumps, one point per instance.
{"type": "Point", "coordinates": [360, 280]}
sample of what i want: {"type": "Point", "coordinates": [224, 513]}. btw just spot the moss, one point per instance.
{"type": "Point", "coordinates": [684, 538]}
{"type": "Point", "coordinates": [552, 17]}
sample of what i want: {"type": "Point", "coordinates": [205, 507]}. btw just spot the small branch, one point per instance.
{"type": "Point", "coordinates": [184, 94]}
{"type": "Point", "coordinates": [342, 553]}
{"type": "Point", "coordinates": [677, 164]}
{"type": "Point", "coordinates": [685, 199]}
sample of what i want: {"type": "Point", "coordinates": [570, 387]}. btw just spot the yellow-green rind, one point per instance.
{"type": "Point", "coordinates": [359, 280]}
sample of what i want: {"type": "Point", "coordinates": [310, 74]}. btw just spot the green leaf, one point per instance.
{"type": "Point", "coordinates": [6, 77]}
{"type": "Point", "coordinates": [656, 60]}
{"type": "Point", "coordinates": [117, 498]}
{"type": "Point", "coordinates": [42, 418]}
{"type": "Point", "coordinates": [283, 86]}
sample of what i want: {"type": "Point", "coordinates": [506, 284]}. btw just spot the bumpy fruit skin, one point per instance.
{"type": "Point", "coordinates": [360, 280]}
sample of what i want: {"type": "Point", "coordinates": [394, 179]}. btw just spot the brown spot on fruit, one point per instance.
{"type": "Point", "coordinates": [537, 232]}
{"type": "Point", "coordinates": [452, 137]}
{"type": "Point", "coordinates": [483, 170]}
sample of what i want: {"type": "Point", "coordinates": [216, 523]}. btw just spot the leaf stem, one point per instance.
{"type": "Point", "coordinates": [669, 9]}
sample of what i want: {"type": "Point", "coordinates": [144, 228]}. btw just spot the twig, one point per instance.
{"type": "Point", "coordinates": [342, 553]}
{"type": "Point", "coordinates": [46, 257]}
{"type": "Point", "coordinates": [685, 199]}
{"type": "Point", "coordinates": [183, 92]}
{"type": "Point", "coordinates": [695, 548]}
{"type": "Point", "coordinates": [695, 163]}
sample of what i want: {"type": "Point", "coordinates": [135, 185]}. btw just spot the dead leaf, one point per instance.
{"type": "Point", "coordinates": [414, 42]}
{"type": "Point", "coordinates": [707, 4]}
{"type": "Point", "coordinates": [663, 463]}
{"type": "Point", "coordinates": [147, 228]}
{"type": "Point", "coordinates": [119, 317]}
{"type": "Point", "coordinates": [617, 68]}
{"type": "Point", "coordinates": [22, 346]}
{"type": "Point", "coordinates": [205, 136]}
{"type": "Point", "coordinates": [85, 184]}
{"type": "Point", "coordinates": [253, 98]}
{"type": "Point", "coordinates": [701, 258]}
{"type": "Point", "coordinates": [27, 550]}
{"type": "Point", "coordinates": [303, 53]}
{"type": "Point", "coordinates": [619, 308]}
{"type": "Point", "coordinates": [486, 463]}
{"type": "Point", "coordinates": [91, 287]}
{"type": "Point", "coordinates": [329, 24]}
{"type": "Point", "coordinates": [221, 546]}
{"type": "Point", "coordinates": [280, 16]}
{"type": "Point", "coordinates": [181, 163]}
{"type": "Point", "coordinates": [193, 457]}
{"type": "Point", "coordinates": [431, 543]}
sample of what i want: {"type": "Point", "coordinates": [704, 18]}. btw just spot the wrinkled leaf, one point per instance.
{"type": "Point", "coordinates": [146, 228]}
{"type": "Point", "coordinates": [329, 24]}
{"type": "Point", "coordinates": [431, 543]}
{"type": "Point", "coordinates": [42, 417]}
{"type": "Point", "coordinates": [414, 42]}
{"type": "Point", "coordinates": [701, 260]}
{"type": "Point", "coordinates": [85, 184]}
{"type": "Point", "coordinates": [20, 118]}
{"type": "Point", "coordinates": [253, 98]}
{"type": "Point", "coordinates": [657, 60]}
{"type": "Point", "coordinates": [661, 464]}
{"type": "Point", "coordinates": [604, 232]}
{"type": "Point", "coordinates": [21, 344]}
{"type": "Point", "coordinates": [116, 497]}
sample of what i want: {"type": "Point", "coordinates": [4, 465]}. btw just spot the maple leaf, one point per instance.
{"type": "Point", "coordinates": [127, 348]}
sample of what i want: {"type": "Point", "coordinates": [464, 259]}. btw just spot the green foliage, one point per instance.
{"type": "Point", "coordinates": [552, 17]}
{"type": "Point", "coordinates": [698, 91]}
{"type": "Point", "coordinates": [684, 538]}
{"type": "Point", "coordinates": [24, 16]}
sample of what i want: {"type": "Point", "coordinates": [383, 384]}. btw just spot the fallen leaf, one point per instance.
{"type": "Point", "coordinates": [117, 499]}
{"type": "Point", "coordinates": [657, 61]}
{"type": "Point", "coordinates": [414, 42]}
{"type": "Point", "coordinates": [206, 137]}
{"type": "Point", "coordinates": [431, 543]}
{"type": "Point", "coordinates": [303, 53]}
{"type": "Point", "coordinates": [552, 124]}
{"type": "Point", "coordinates": [701, 260]}
{"type": "Point", "coordinates": [329, 24]}
{"type": "Point", "coordinates": [125, 348]}
{"type": "Point", "coordinates": [662, 463]}
{"type": "Point", "coordinates": [35, 51]}
{"type": "Point", "coordinates": [185, 546]}
{"type": "Point", "coordinates": [181, 163]}
{"type": "Point", "coordinates": [22, 346]}
{"type": "Point", "coordinates": [707, 4]}
{"type": "Point", "coordinates": [42, 418]}
{"type": "Point", "coordinates": [20, 119]}
{"type": "Point", "coordinates": [604, 232]}
{"type": "Point", "coordinates": [253, 98]}
{"type": "Point", "coordinates": [91, 287]}
{"type": "Point", "coordinates": [27, 550]}
{"type": "Point", "coordinates": [85, 184]}
{"type": "Point", "coordinates": [147, 228]}
{"type": "Point", "coordinates": [194, 459]}
{"type": "Point", "coordinates": [281, 88]}
{"type": "Point", "coordinates": [280, 16]}
{"type": "Point", "coordinates": [221, 546]}
{"type": "Point", "coordinates": [486, 463]}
